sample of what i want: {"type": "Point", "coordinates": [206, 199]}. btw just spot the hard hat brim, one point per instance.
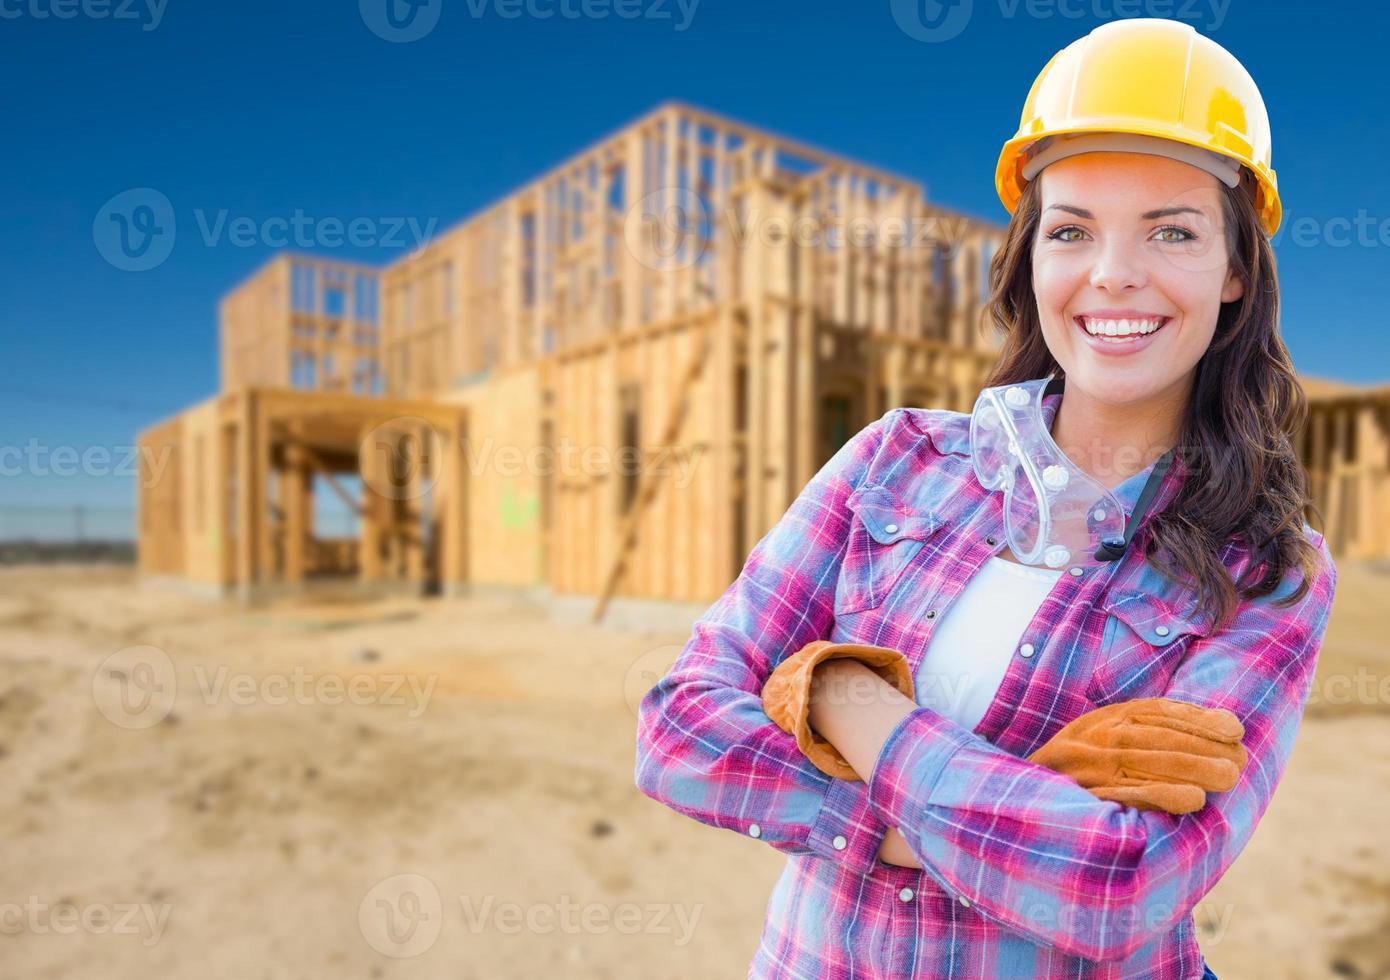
{"type": "Point", "coordinates": [1009, 182]}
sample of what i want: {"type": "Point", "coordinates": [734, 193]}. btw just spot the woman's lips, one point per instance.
{"type": "Point", "coordinates": [1117, 346]}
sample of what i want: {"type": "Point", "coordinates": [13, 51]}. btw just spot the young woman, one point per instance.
{"type": "Point", "coordinates": [984, 768]}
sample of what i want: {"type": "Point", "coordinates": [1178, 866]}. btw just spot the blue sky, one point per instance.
{"type": "Point", "coordinates": [258, 110]}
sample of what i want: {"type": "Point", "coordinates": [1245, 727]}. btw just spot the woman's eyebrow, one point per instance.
{"type": "Point", "coordinates": [1147, 215]}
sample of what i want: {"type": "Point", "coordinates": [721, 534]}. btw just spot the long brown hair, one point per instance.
{"type": "Point", "coordinates": [1244, 478]}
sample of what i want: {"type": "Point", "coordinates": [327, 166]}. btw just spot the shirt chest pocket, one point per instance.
{"type": "Point", "coordinates": [1145, 639]}
{"type": "Point", "coordinates": [885, 537]}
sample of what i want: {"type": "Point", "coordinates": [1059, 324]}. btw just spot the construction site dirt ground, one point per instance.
{"type": "Point", "coordinates": [297, 761]}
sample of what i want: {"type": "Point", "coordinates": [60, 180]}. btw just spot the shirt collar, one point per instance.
{"type": "Point", "coordinates": [1128, 492]}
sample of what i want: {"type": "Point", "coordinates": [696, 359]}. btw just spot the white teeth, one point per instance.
{"type": "Point", "coordinates": [1120, 328]}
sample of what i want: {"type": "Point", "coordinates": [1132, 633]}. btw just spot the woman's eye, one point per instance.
{"type": "Point", "coordinates": [1175, 233]}
{"type": "Point", "coordinates": [1187, 236]}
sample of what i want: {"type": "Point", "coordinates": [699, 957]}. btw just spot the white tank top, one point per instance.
{"type": "Point", "coordinates": [970, 651]}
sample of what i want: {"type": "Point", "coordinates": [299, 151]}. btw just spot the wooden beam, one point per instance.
{"type": "Point", "coordinates": [247, 498]}
{"type": "Point", "coordinates": [298, 499]}
{"type": "Point", "coordinates": [648, 481]}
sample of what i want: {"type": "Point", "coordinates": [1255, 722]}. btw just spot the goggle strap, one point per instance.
{"type": "Point", "coordinates": [1112, 552]}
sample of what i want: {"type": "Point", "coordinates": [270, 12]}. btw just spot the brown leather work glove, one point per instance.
{"type": "Point", "coordinates": [787, 695]}
{"type": "Point", "coordinates": [1150, 753]}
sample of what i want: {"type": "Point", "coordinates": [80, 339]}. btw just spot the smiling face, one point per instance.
{"type": "Point", "coordinates": [1131, 246]}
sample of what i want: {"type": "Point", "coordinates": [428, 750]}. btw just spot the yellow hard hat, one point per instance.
{"type": "Point", "coordinates": [1150, 78]}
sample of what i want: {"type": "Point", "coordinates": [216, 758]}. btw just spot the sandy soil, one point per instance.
{"type": "Point", "coordinates": [423, 789]}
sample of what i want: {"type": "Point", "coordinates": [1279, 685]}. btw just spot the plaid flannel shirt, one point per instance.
{"type": "Point", "coordinates": [1025, 873]}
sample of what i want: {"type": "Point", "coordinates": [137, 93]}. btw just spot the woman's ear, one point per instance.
{"type": "Point", "coordinates": [1234, 287]}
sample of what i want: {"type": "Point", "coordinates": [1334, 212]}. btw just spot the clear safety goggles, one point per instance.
{"type": "Point", "coordinates": [1055, 513]}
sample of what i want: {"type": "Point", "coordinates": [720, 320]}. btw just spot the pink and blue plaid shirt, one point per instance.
{"type": "Point", "coordinates": [1026, 874]}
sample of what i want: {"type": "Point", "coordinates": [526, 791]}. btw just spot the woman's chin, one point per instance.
{"type": "Point", "coordinates": [1106, 387]}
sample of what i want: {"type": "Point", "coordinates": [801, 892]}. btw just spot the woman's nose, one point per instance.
{"type": "Point", "coordinates": [1118, 268]}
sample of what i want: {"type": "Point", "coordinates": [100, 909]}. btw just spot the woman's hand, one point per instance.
{"type": "Point", "coordinates": [1150, 753]}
